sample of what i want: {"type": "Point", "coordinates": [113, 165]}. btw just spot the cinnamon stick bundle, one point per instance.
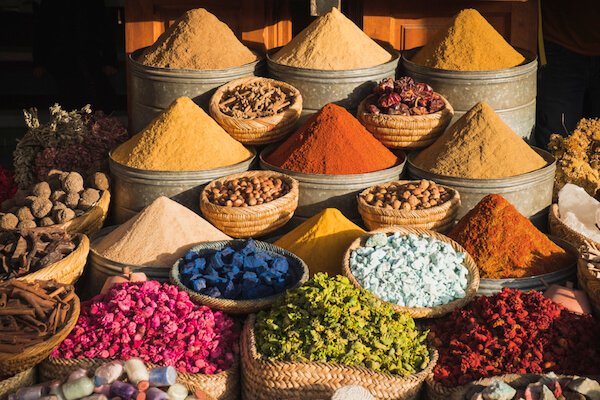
{"type": "Point", "coordinates": [31, 312]}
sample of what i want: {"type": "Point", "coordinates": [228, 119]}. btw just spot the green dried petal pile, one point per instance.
{"type": "Point", "coordinates": [329, 320]}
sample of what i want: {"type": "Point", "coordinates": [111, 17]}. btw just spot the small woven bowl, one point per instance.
{"type": "Point", "coordinates": [406, 131]}
{"type": "Point", "coordinates": [13, 363]}
{"type": "Point", "coordinates": [560, 229]}
{"type": "Point", "coordinates": [68, 270]}
{"type": "Point", "coordinates": [251, 221]}
{"type": "Point", "coordinates": [262, 130]}
{"type": "Point", "coordinates": [242, 307]}
{"type": "Point", "coordinates": [439, 218]}
{"type": "Point", "coordinates": [421, 312]}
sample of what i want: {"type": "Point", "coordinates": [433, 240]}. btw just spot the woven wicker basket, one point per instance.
{"type": "Point", "coordinates": [589, 283]}
{"type": "Point", "coordinates": [406, 132]}
{"type": "Point", "coordinates": [257, 131]}
{"type": "Point", "coordinates": [67, 270]}
{"type": "Point", "coordinates": [436, 391]}
{"type": "Point", "coordinates": [14, 363]}
{"type": "Point", "coordinates": [15, 382]}
{"type": "Point", "coordinates": [242, 307]}
{"type": "Point", "coordinates": [253, 221]}
{"type": "Point", "coordinates": [91, 221]}
{"type": "Point", "coordinates": [221, 386]}
{"type": "Point", "coordinates": [267, 380]}
{"type": "Point", "coordinates": [439, 218]}
{"type": "Point", "coordinates": [560, 229]}
{"type": "Point", "coordinates": [421, 312]}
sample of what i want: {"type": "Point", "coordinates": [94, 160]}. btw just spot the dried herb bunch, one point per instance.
{"type": "Point", "coordinates": [77, 140]}
{"type": "Point", "coordinates": [578, 157]}
{"type": "Point", "coordinates": [404, 97]}
{"type": "Point", "coordinates": [257, 99]}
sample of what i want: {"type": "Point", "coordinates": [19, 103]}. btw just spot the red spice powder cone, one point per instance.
{"type": "Point", "coordinates": [505, 244]}
{"type": "Point", "coordinates": [332, 142]}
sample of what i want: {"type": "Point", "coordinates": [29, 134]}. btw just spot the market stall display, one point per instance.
{"type": "Point", "coordinates": [238, 277]}
{"type": "Point", "coordinates": [578, 161]}
{"type": "Point", "coordinates": [35, 317]}
{"type": "Point", "coordinates": [574, 300]}
{"type": "Point", "coordinates": [327, 334]}
{"type": "Point", "coordinates": [322, 240]}
{"type": "Point", "coordinates": [11, 384]}
{"type": "Point", "coordinates": [163, 327]}
{"type": "Point", "coordinates": [418, 272]}
{"type": "Point", "coordinates": [250, 204]}
{"type": "Point", "coordinates": [256, 110]}
{"type": "Point", "coordinates": [415, 204]}
{"type": "Point", "coordinates": [78, 141]}
{"type": "Point", "coordinates": [179, 151]}
{"type": "Point", "coordinates": [332, 143]}
{"type": "Point", "coordinates": [506, 164]}
{"type": "Point", "coordinates": [511, 332]}
{"type": "Point", "coordinates": [404, 114]}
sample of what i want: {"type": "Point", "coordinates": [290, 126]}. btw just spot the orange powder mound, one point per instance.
{"type": "Point", "coordinates": [468, 43]}
{"type": "Point", "coordinates": [505, 244]}
{"type": "Point", "coordinates": [332, 142]}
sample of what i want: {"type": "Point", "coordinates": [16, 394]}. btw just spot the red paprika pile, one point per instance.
{"type": "Point", "coordinates": [505, 244]}
{"type": "Point", "coordinates": [332, 142]}
{"type": "Point", "coordinates": [514, 332]}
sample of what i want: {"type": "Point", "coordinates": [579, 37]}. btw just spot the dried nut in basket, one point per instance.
{"type": "Point", "coordinates": [409, 196]}
{"type": "Point", "coordinates": [255, 100]}
{"type": "Point", "coordinates": [248, 191]}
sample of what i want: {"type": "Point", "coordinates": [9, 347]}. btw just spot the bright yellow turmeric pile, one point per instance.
{"type": "Point", "coordinates": [322, 240]}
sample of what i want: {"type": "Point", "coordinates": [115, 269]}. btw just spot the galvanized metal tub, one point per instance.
{"type": "Point", "coordinates": [489, 287]}
{"type": "Point", "coordinates": [100, 268]}
{"type": "Point", "coordinates": [346, 88]}
{"type": "Point", "coordinates": [510, 92]}
{"type": "Point", "coordinates": [133, 189]}
{"type": "Point", "coordinates": [530, 193]}
{"type": "Point", "coordinates": [318, 192]}
{"type": "Point", "coordinates": [152, 89]}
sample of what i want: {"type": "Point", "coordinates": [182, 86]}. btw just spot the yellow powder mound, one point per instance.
{"type": "Point", "coordinates": [468, 43]}
{"type": "Point", "coordinates": [158, 235]}
{"type": "Point", "coordinates": [182, 138]}
{"type": "Point", "coordinates": [322, 240]}
{"type": "Point", "coordinates": [197, 40]}
{"type": "Point", "coordinates": [332, 42]}
{"type": "Point", "coordinates": [479, 145]}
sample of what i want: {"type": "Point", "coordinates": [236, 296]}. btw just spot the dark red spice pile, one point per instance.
{"type": "Point", "coordinates": [514, 332]}
{"type": "Point", "coordinates": [8, 187]}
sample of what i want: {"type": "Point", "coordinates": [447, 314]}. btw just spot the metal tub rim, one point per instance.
{"type": "Point", "coordinates": [507, 182]}
{"type": "Point", "coordinates": [334, 180]}
{"type": "Point", "coordinates": [489, 286]}
{"type": "Point", "coordinates": [175, 177]}
{"type": "Point", "coordinates": [204, 74]}
{"type": "Point", "coordinates": [497, 75]}
{"type": "Point", "coordinates": [308, 74]}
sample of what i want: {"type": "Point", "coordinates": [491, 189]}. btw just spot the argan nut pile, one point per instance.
{"type": "Point", "coordinates": [409, 196]}
{"type": "Point", "coordinates": [62, 197]}
{"type": "Point", "coordinates": [31, 312]}
{"type": "Point", "coordinates": [247, 191]}
{"type": "Point", "coordinates": [260, 98]}
{"type": "Point", "coordinates": [26, 251]}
